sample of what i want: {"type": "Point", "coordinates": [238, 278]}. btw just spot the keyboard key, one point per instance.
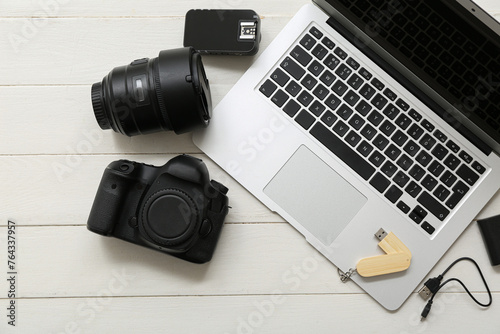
{"type": "Point", "coordinates": [340, 128]}
{"type": "Point", "coordinates": [301, 55]}
{"type": "Point", "coordinates": [452, 162]}
{"type": "Point", "coordinates": [403, 121]}
{"type": "Point", "coordinates": [375, 118]}
{"type": "Point", "coordinates": [418, 214]}
{"type": "Point", "coordinates": [351, 98]}
{"type": "Point", "coordinates": [356, 122]}
{"type": "Point", "coordinates": [368, 132]}
{"type": "Point", "coordinates": [392, 152]}
{"type": "Point", "coordinates": [427, 125]}
{"type": "Point", "coordinates": [352, 63]}
{"type": "Point", "coordinates": [417, 172]}
{"type": "Point", "coordinates": [441, 193]}
{"type": "Point", "coordinates": [405, 162]}
{"type": "Point", "coordinates": [305, 98]}
{"type": "Point", "coordinates": [402, 104]}
{"type": "Point", "coordinates": [415, 115]}
{"type": "Point", "coordinates": [413, 189]}
{"type": "Point", "coordinates": [391, 111]}
{"type": "Point", "coordinates": [353, 138]}
{"type": "Point", "coordinates": [293, 88]}
{"type": "Point", "coordinates": [327, 78]}
{"type": "Point", "coordinates": [378, 84]}
{"type": "Point", "coordinates": [389, 169]}
{"type": "Point", "coordinates": [316, 33]}
{"type": "Point", "coordinates": [387, 128]}
{"type": "Point", "coordinates": [309, 82]}
{"type": "Point", "coordinates": [379, 101]}
{"type": "Point", "coordinates": [317, 108]}
{"type": "Point", "coordinates": [427, 142]}
{"type": "Point", "coordinates": [403, 207]}
{"type": "Point", "coordinates": [440, 136]}
{"type": "Point", "coordinates": [367, 91]}
{"type": "Point", "coordinates": [439, 152]}
{"type": "Point", "coordinates": [381, 142]}
{"type": "Point", "coordinates": [339, 87]}
{"type": "Point", "coordinates": [343, 71]}
{"type": "Point", "coordinates": [467, 174]}
{"type": "Point", "coordinates": [363, 108]}
{"type": "Point", "coordinates": [320, 92]}
{"type": "Point", "coordinates": [393, 194]}
{"type": "Point", "coordinates": [280, 77]}
{"type": "Point", "coordinates": [305, 119]}
{"type": "Point", "coordinates": [291, 108]}
{"type": "Point", "coordinates": [436, 168]}
{"type": "Point", "coordinates": [459, 191]}
{"type": "Point", "coordinates": [331, 61]}
{"type": "Point", "coordinates": [428, 227]}
{"type": "Point", "coordinates": [431, 204]}
{"type": "Point", "coordinates": [448, 178]}
{"type": "Point", "coordinates": [401, 179]}
{"type": "Point", "coordinates": [328, 118]}
{"type": "Point", "coordinates": [268, 88]}
{"type": "Point", "coordinates": [340, 53]}
{"type": "Point", "coordinates": [328, 43]}
{"type": "Point", "coordinates": [424, 158]}
{"type": "Point", "coordinates": [319, 51]}
{"type": "Point", "coordinates": [399, 138]}
{"type": "Point", "coordinates": [390, 94]}
{"type": "Point", "coordinates": [376, 158]}
{"type": "Point", "coordinates": [465, 157]}
{"type": "Point", "coordinates": [293, 68]}
{"type": "Point", "coordinates": [355, 81]}
{"type": "Point", "coordinates": [415, 131]}
{"type": "Point", "coordinates": [380, 182]}
{"type": "Point", "coordinates": [429, 182]}
{"type": "Point", "coordinates": [342, 151]}
{"type": "Point", "coordinates": [411, 148]}
{"type": "Point", "coordinates": [307, 42]}
{"type": "Point", "coordinates": [478, 167]}
{"type": "Point", "coordinates": [365, 73]}
{"type": "Point", "coordinates": [280, 98]}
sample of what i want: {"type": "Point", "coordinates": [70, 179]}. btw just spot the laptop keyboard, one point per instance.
{"type": "Point", "coordinates": [377, 133]}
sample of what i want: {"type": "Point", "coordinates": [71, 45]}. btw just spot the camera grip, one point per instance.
{"type": "Point", "coordinates": [108, 204]}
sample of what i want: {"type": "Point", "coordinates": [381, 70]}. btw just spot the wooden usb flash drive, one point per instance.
{"type": "Point", "coordinates": [396, 259]}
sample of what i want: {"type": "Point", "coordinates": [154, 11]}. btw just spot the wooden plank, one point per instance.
{"type": "Point", "coordinates": [60, 189]}
{"type": "Point", "coordinates": [84, 50]}
{"type": "Point", "coordinates": [70, 261]}
{"type": "Point", "coordinates": [130, 8]}
{"type": "Point", "coordinates": [272, 313]}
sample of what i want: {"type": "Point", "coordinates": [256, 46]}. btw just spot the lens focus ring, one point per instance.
{"type": "Point", "coordinates": [99, 112]}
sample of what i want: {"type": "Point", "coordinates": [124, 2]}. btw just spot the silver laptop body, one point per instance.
{"type": "Point", "coordinates": [279, 134]}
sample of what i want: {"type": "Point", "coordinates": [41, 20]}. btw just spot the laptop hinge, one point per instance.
{"type": "Point", "coordinates": [405, 82]}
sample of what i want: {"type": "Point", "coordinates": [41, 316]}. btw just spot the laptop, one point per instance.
{"type": "Point", "coordinates": [364, 115]}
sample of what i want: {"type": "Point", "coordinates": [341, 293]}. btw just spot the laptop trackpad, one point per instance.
{"type": "Point", "coordinates": [315, 195]}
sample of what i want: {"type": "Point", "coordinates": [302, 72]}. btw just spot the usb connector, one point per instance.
{"type": "Point", "coordinates": [430, 287]}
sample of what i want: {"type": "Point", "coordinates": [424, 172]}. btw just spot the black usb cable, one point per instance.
{"type": "Point", "coordinates": [433, 285]}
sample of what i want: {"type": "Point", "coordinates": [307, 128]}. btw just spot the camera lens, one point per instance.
{"type": "Point", "coordinates": [167, 93]}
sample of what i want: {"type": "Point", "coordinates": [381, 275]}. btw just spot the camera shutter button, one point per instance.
{"type": "Point", "coordinates": [205, 228]}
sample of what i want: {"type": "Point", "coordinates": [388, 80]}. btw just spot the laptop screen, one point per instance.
{"type": "Point", "coordinates": [442, 43]}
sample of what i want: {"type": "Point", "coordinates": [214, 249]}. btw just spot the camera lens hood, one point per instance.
{"type": "Point", "coordinates": [167, 93]}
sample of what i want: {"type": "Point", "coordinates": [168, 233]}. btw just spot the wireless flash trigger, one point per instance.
{"type": "Point", "coordinates": [397, 257]}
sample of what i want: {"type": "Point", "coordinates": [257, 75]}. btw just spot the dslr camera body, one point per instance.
{"type": "Point", "coordinates": [174, 208]}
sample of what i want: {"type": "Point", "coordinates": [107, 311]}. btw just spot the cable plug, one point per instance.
{"type": "Point", "coordinates": [426, 310]}
{"type": "Point", "coordinates": [430, 287]}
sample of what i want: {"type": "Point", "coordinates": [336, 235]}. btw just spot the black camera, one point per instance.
{"type": "Point", "coordinates": [167, 93]}
{"type": "Point", "coordinates": [174, 208]}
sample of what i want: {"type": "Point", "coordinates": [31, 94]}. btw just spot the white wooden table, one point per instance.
{"type": "Point", "coordinates": [264, 277]}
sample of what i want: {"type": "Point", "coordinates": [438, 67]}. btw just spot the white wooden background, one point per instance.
{"type": "Point", "coordinates": [264, 277]}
